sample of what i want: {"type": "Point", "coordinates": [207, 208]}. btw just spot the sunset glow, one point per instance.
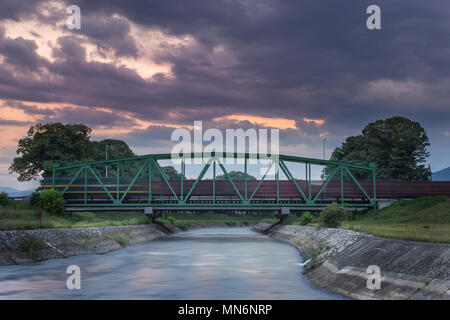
{"type": "Point", "coordinates": [280, 123]}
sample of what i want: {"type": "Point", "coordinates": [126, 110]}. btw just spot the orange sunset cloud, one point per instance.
{"type": "Point", "coordinates": [280, 123]}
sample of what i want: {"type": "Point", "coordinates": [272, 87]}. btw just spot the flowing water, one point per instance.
{"type": "Point", "coordinates": [214, 263]}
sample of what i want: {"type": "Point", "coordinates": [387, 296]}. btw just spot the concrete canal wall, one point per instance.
{"type": "Point", "coordinates": [23, 246]}
{"type": "Point", "coordinates": [339, 260]}
{"type": "Point", "coordinates": [60, 243]}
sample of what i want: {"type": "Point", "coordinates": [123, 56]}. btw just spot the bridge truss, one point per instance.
{"type": "Point", "coordinates": [83, 185]}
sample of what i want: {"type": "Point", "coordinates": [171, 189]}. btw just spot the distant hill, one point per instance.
{"type": "Point", "coordinates": [443, 175]}
{"type": "Point", "coordinates": [16, 193]}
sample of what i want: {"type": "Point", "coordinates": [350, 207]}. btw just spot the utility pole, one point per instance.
{"type": "Point", "coordinates": [324, 170]}
{"type": "Point", "coordinates": [106, 158]}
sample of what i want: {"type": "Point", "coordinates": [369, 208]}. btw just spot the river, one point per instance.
{"type": "Point", "coordinates": [213, 263]}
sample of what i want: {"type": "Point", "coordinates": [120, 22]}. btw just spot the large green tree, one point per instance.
{"type": "Point", "coordinates": [397, 145]}
{"type": "Point", "coordinates": [47, 143]}
{"type": "Point", "coordinates": [169, 171]}
{"type": "Point", "coordinates": [113, 149]}
{"type": "Point", "coordinates": [235, 175]}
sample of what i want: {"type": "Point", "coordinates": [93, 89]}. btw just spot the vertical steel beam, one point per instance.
{"type": "Point", "coordinates": [342, 186]}
{"type": "Point", "coordinates": [150, 182]}
{"type": "Point", "coordinates": [182, 179]}
{"type": "Point", "coordinates": [53, 177]}
{"type": "Point", "coordinates": [245, 177]}
{"type": "Point", "coordinates": [118, 181]}
{"type": "Point", "coordinates": [85, 185]}
{"type": "Point", "coordinates": [214, 181]}
{"type": "Point", "coordinates": [277, 178]}
{"type": "Point", "coordinates": [309, 180]}
{"type": "Point", "coordinates": [374, 201]}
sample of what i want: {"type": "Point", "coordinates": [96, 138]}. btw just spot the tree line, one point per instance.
{"type": "Point", "coordinates": [397, 146]}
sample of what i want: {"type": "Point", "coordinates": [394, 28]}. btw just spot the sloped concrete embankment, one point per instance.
{"type": "Point", "coordinates": [60, 243]}
{"type": "Point", "coordinates": [340, 258]}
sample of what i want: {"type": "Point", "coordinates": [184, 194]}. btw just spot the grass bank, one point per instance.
{"type": "Point", "coordinates": [185, 221]}
{"type": "Point", "coordinates": [20, 216]}
{"type": "Point", "coordinates": [422, 219]}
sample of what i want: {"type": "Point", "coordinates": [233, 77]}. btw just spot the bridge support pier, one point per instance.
{"type": "Point", "coordinates": [283, 215]}
{"type": "Point", "coordinates": [151, 215]}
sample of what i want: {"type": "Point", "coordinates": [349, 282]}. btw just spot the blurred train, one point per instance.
{"type": "Point", "coordinates": [223, 192]}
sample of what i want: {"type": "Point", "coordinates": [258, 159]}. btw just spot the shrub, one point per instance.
{"type": "Point", "coordinates": [35, 200]}
{"type": "Point", "coordinates": [4, 199]}
{"type": "Point", "coordinates": [31, 244]}
{"type": "Point", "coordinates": [350, 215]}
{"type": "Point", "coordinates": [122, 240]}
{"type": "Point", "coordinates": [52, 201]}
{"type": "Point", "coordinates": [305, 219]}
{"type": "Point", "coordinates": [171, 219]}
{"type": "Point", "coordinates": [331, 215]}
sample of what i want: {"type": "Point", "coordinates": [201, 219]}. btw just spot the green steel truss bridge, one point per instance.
{"type": "Point", "coordinates": [141, 183]}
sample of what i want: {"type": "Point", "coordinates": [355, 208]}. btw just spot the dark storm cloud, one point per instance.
{"type": "Point", "coordinates": [153, 134]}
{"type": "Point", "coordinates": [15, 9]}
{"type": "Point", "coordinates": [29, 109]}
{"type": "Point", "coordinates": [69, 114]}
{"type": "Point", "coordinates": [19, 53]}
{"type": "Point", "coordinates": [308, 57]}
{"type": "Point", "coordinates": [13, 123]}
{"type": "Point", "coordinates": [289, 59]}
{"type": "Point", "coordinates": [90, 117]}
{"type": "Point", "coordinates": [110, 33]}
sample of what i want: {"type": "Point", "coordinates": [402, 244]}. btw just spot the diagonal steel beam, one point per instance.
{"type": "Point", "coordinates": [161, 172]}
{"type": "Point", "coordinates": [231, 180]}
{"type": "Point", "coordinates": [357, 183]}
{"type": "Point", "coordinates": [138, 174]}
{"type": "Point", "coordinates": [336, 169]}
{"type": "Point", "coordinates": [71, 181]}
{"type": "Point", "coordinates": [200, 177]}
{"type": "Point", "coordinates": [260, 182]}
{"type": "Point", "coordinates": [286, 171]}
{"type": "Point", "coordinates": [101, 183]}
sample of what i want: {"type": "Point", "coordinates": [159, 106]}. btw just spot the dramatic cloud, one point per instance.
{"type": "Point", "coordinates": [139, 69]}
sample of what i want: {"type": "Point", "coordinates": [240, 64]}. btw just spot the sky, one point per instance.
{"type": "Point", "coordinates": [137, 70]}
